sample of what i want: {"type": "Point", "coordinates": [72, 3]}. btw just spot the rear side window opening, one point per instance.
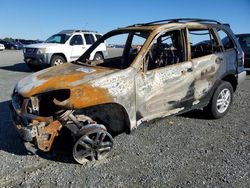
{"type": "Point", "coordinates": [89, 38]}
{"type": "Point", "coordinates": [225, 39]}
{"type": "Point", "coordinates": [202, 43]}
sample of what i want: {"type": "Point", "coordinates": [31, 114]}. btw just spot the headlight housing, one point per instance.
{"type": "Point", "coordinates": [43, 104]}
{"type": "Point", "coordinates": [41, 51]}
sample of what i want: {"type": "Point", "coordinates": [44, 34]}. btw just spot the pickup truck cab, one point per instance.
{"type": "Point", "coordinates": [65, 46]}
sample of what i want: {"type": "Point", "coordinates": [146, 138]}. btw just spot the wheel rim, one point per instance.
{"type": "Point", "coordinates": [94, 145]}
{"type": "Point", "coordinates": [223, 100]}
{"type": "Point", "coordinates": [98, 58]}
{"type": "Point", "coordinates": [58, 62]}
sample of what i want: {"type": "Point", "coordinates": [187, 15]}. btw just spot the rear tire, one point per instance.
{"type": "Point", "coordinates": [221, 101]}
{"type": "Point", "coordinates": [57, 60]}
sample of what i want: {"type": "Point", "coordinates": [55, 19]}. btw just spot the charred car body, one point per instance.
{"type": "Point", "coordinates": [180, 65]}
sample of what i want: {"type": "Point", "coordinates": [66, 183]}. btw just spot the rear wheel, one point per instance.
{"type": "Point", "coordinates": [221, 100]}
{"type": "Point", "coordinates": [57, 60]}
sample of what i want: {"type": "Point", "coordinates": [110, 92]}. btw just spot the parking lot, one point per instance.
{"type": "Point", "coordinates": [178, 151]}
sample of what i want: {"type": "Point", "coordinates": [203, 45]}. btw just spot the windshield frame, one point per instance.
{"type": "Point", "coordinates": [86, 55]}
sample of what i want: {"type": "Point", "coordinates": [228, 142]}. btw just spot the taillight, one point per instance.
{"type": "Point", "coordinates": [243, 58]}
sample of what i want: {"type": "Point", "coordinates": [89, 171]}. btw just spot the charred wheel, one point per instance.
{"type": "Point", "coordinates": [92, 145]}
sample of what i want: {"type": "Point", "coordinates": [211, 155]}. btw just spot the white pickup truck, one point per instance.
{"type": "Point", "coordinates": [65, 46]}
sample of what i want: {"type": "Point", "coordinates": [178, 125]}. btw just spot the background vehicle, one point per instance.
{"type": "Point", "coordinates": [2, 47]}
{"type": "Point", "coordinates": [181, 65]}
{"type": "Point", "coordinates": [11, 45]}
{"type": "Point", "coordinates": [27, 42]}
{"type": "Point", "coordinates": [66, 46]}
{"type": "Point", "coordinates": [244, 40]}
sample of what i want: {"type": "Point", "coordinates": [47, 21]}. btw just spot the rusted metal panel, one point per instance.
{"type": "Point", "coordinates": [46, 135]}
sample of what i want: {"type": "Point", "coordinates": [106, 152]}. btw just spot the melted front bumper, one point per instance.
{"type": "Point", "coordinates": [32, 128]}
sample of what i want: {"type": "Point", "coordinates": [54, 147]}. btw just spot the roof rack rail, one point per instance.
{"type": "Point", "coordinates": [176, 21]}
{"type": "Point", "coordinates": [76, 30]}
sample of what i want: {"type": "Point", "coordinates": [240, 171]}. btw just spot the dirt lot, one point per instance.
{"type": "Point", "coordinates": [178, 151]}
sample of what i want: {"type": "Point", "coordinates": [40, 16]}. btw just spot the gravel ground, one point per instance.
{"type": "Point", "coordinates": [177, 151]}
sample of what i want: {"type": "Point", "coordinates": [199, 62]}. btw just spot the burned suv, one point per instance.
{"type": "Point", "coordinates": [153, 70]}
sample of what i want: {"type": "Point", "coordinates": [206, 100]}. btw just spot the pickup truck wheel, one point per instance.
{"type": "Point", "coordinates": [221, 100]}
{"type": "Point", "coordinates": [57, 60]}
{"type": "Point", "coordinates": [93, 145]}
{"type": "Point", "coordinates": [98, 57]}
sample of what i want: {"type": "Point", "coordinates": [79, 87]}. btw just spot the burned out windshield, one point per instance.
{"type": "Point", "coordinates": [58, 38]}
{"type": "Point", "coordinates": [121, 49]}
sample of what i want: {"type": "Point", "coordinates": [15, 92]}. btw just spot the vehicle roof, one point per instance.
{"type": "Point", "coordinates": [176, 23]}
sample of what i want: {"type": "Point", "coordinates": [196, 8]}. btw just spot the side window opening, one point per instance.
{"type": "Point", "coordinates": [122, 49]}
{"type": "Point", "coordinates": [225, 39]}
{"type": "Point", "coordinates": [167, 49]}
{"type": "Point", "coordinates": [89, 38]}
{"type": "Point", "coordinates": [202, 43]}
{"type": "Point", "coordinates": [98, 36]}
{"type": "Point", "coordinates": [76, 40]}
{"type": "Point", "coordinates": [244, 41]}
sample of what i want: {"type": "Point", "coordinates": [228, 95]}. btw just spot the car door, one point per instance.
{"type": "Point", "coordinates": [77, 47]}
{"type": "Point", "coordinates": [207, 59]}
{"type": "Point", "coordinates": [166, 84]}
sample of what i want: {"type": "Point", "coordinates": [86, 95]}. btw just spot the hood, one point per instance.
{"type": "Point", "coordinates": [43, 45]}
{"type": "Point", "coordinates": [65, 76]}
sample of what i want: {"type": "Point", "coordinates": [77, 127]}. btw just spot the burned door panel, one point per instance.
{"type": "Point", "coordinates": [205, 71]}
{"type": "Point", "coordinates": [206, 59]}
{"type": "Point", "coordinates": [162, 91]}
{"type": "Point", "coordinates": [167, 85]}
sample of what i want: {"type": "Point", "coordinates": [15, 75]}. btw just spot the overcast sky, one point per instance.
{"type": "Point", "coordinates": [31, 19]}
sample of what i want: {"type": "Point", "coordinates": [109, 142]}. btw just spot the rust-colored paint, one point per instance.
{"type": "Point", "coordinates": [85, 96]}
{"type": "Point", "coordinates": [57, 78]}
{"type": "Point", "coordinates": [62, 82]}
{"type": "Point", "coordinates": [47, 134]}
